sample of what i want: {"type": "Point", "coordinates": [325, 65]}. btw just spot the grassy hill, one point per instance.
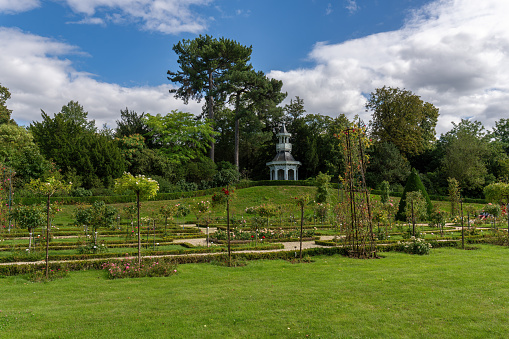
{"type": "Point", "coordinates": [243, 198]}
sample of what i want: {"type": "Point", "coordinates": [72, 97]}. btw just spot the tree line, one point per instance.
{"type": "Point", "coordinates": [234, 136]}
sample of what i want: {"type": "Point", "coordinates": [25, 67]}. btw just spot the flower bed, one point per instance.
{"type": "Point", "coordinates": [264, 234]}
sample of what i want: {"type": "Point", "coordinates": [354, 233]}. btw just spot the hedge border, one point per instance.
{"type": "Point", "coordinates": [114, 199]}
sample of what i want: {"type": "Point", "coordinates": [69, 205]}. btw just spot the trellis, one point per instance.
{"type": "Point", "coordinates": [358, 223]}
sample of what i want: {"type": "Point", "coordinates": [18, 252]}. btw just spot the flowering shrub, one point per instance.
{"type": "Point", "coordinates": [39, 275]}
{"type": "Point", "coordinates": [492, 210]}
{"type": "Point", "coordinates": [239, 234]}
{"type": "Point", "coordinates": [203, 206]}
{"type": "Point", "coordinates": [415, 246]}
{"type": "Point", "coordinates": [218, 199]}
{"type": "Point", "coordinates": [321, 211]}
{"type": "Point", "coordinates": [131, 269]}
{"type": "Point", "coordinates": [92, 247]}
{"type": "Point", "coordinates": [222, 197]}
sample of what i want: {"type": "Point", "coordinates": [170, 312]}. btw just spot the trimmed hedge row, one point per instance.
{"type": "Point", "coordinates": [115, 199]}
{"type": "Point", "coordinates": [81, 265]}
{"type": "Point", "coordinates": [76, 257]}
{"type": "Point", "coordinates": [266, 240]}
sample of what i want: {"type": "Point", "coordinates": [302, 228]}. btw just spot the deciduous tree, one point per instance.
{"type": "Point", "coordinates": [466, 152]}
{"type": "Point", "coordinates": [5, 113]}
{"type": "Point", "coordinates": [144, 188]}
{"type": "Point", "coordinates": [180, 136]}
{"type": "Point", "coordinates": [402, 118]}
{"type": "Point", "coordinates": [47, 188]}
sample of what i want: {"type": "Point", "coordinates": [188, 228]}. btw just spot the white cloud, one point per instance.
{"type": "Point", "coordinates": [16, 6]}
{"type": "Point", "coordinates": [39, 77]}
{"type": "Point", "coordinates": [454, 54]}
{"type": "Point", "coordinates": [165, 16]}
{"type": "Point", "coordinates": [352, 6]}
{"type": "Point", "coordinates": [329, 9]}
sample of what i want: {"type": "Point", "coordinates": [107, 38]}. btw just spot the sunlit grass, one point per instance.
{"type": "Point", "coordinates": [449, 294]}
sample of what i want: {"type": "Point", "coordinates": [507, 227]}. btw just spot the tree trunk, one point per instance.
{"type": "Point", "coordinates": [237, 131]}
{"type": "Point", "coordinates": [210, 101]}
{"type": "Point", "coordinates": [237, 142]}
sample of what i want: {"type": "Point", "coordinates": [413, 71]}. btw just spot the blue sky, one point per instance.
{"type": "Point", "coordinates": [109, 54]}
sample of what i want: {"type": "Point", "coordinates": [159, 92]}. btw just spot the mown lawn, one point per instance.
{"type": "Point", "coordinates": [451, 293]}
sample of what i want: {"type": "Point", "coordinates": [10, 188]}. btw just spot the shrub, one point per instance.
{"type": "Point", "coordinates": [37, 275]}
{"type": "Point", "coordinates": [415, 246]}
{"type": "Point", "coordinates": [413, 184]}
{"type": "Point", "coordinates": [130, 269]}
{"type": "Point", "coordinates": [81, 192]}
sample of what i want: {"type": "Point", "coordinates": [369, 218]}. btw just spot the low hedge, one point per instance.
{"type": "Point", "coordinates": [38, 256]}
{"type": "Point", "coordinates": [80, 265]}
{"type": "Point", "coordinates": [266, 240]}
{"type": "Point", "coordinates": [115, 199]}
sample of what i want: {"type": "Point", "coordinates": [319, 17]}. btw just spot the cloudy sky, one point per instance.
{"type": "Point", "coordinates": [112, 54]}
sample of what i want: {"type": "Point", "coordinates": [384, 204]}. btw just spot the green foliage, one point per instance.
{"type": "Point", "coordinates": [402, 118]}
{"type": "Point", "coordinates": [29, 216]}
{"type": "Point", "coordinates": [101, 215]}
{"type": "Point", "coordinates": [322, 190]}
{"type": "Point", "coordinates": [227, 174]}
{"type": "Point", "coordinates": [140, 185]}
{"type": "Point", "coordinates": [180, 136]}
{"type": "Point", "coordinates": [81, 192]}
{"type": "Point", "coordinates": [314, 142]}
{"type": "Point", "coordinates": [48, 187]}
{"type": "Point", "coordinates": [415, 246]}
{"type": "Point", "coordinates": [5, 113]}
{"type": "Point", "coordinates": [413, 184]}
{"type": "Point", "coordinates": [466, 151]}
{"type": "Point", "coordinates": [437, 218]}
{"type": "Point", "coordinates": [130, 146]}
{"type": "Point", "coordinates": [18, 150]}
{"type": "Point", "coordinates": [130, 269]}
{"type": "Point", "coordinates": [73, 143]}
{"type": "Point", "coordinates": [130, 124]}
{"type": "Point", "coordinates": [386, 163]}
{"type": "Point", "coordinates": [497, 193]}
{"type": "Point", "coordinates": [415, 208]}
{"type": "Point", "coordinates": [221, 197]}
{"type": "Point", "coordinates": [454, 194]}
{"type": "Point", "coordinates": [493, 210]}
{"type": "Point", "coordinates": [203, 212]}
{"type": "Point", "coordinates": [204, 63]}
{"type": "Point", "coordinates": [249, 91]}
{"type": "Point", "coordinates": [82, 215]}
{"type": "Point", "coordinates": [385, 188]}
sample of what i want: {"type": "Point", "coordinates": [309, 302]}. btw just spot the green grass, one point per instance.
{"type": "Point", "coordinates": [448, 294]}
{"type": "Point", "coordinates": [248, 197]}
